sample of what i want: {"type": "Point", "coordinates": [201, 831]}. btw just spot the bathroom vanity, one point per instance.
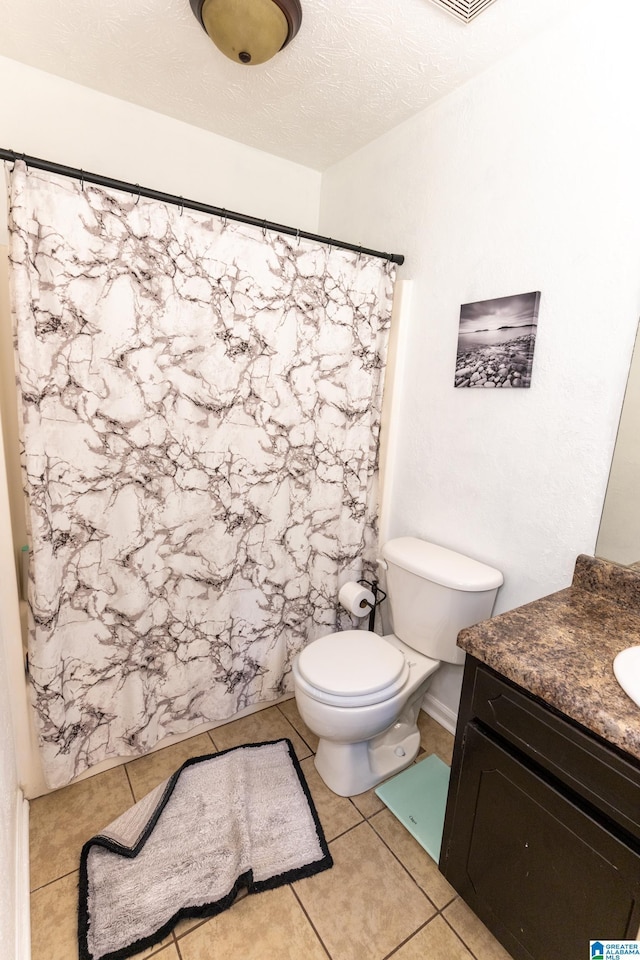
{"type": "Point", "coordinates": [542, 828]}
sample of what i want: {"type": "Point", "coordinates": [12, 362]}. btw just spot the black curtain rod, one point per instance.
{"type": "Point", "coordinates": [136, 189]}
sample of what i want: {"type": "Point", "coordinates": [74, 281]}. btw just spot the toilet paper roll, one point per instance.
{"type": "Point", "coordinates": [356, 599]}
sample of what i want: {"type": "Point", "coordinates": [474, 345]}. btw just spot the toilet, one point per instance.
{"type": "Point", "coordinates": [360, 693]}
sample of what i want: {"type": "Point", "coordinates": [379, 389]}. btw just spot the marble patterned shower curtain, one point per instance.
{"type": "Point", "coordinates": [201, 409]}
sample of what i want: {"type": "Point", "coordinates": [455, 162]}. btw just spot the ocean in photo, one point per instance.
{"type": "Point", "coordinates": [488, 338]}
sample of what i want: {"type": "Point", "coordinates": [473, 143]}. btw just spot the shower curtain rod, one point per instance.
{"type": "Point", "coordinates": [137, 190]}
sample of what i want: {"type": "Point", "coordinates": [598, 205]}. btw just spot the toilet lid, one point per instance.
{"type": "Point", "coordinates": [351, 663]}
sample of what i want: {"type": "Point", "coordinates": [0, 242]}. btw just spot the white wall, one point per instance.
{"type": "Point", "coordinates": [48, 117]}
{"type": "Point", "coordinates": [524, 179]}
{"type": "Point", "coordinates": [9, 825]}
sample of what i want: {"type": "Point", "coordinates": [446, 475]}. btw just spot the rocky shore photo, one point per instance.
{"type": "Point", "coordinates": [496, 341]}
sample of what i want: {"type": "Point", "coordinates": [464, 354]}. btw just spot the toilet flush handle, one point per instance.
{"type": "Point", "coordinates": [382, 563]}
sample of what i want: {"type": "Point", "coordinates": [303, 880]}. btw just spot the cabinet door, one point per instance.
{"type": "Point", "coordinates": [540, 872]}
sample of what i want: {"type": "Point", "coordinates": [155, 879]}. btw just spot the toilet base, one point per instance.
{"type": "Point", "coordinates": [352, 768]}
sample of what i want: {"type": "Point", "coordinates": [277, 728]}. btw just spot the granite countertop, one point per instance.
{"type": "Point", "coordinates": [561, 648]}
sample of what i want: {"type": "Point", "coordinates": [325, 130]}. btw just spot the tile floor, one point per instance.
{"type": "Point", "coordinates": [384, 897]}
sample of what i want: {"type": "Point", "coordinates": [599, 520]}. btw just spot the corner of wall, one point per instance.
{"type": "Point", "coordinates": [22, 895]}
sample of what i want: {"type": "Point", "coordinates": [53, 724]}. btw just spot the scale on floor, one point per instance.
{"type": "Point", "coordinates": [418, 798]}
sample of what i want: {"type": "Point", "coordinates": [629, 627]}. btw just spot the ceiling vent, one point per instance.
{"type": "Point", "coordinates": [466, 10]}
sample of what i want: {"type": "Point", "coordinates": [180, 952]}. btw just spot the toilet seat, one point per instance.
{"type": "Point", "coordinates": [351, 668]}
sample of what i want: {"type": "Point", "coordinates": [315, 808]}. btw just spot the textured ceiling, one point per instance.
{"type": "Point", "coordinates": [355, 70]}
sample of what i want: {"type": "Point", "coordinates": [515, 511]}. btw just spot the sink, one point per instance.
{"type": "Point", "coordinates": [626, 668]}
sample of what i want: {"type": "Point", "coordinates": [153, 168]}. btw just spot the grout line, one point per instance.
{"type": "Point", "coordinates": [449, 902]}
{"type": "Point", "coordinates": [197, 922]}
{"type": "Point", "coordinates": [126, 770]}
{"type": "Point", "coordinates": [159, 950]}
{"type": "Point", "coordinates": [293, 727]}
{"type": "Point", "coordinates": [410, 937]}
{"type": "Point", "coordinates": [439, 910]}
{"type": "Point", "coordinates": [50, 882]}
{"type": "Point", "coordinates": [405, 868]}
{"type": "Point", "coordinates": [177, 945]}
{"type": "Point", "coordinates": [354, 826]}
{"type": "Point", "coordinates": [459, 936]}
{"type": "Point", "coordinates": [310, 921]}
{"type": "Point", "coordinates": [395, 856]}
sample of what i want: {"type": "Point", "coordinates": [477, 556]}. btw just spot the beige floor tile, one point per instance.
{"type": "Point", "coordinates": [434, 738]}
{"type": "Point", "coordinates": [267, 724]}
{"type": "Point", "coordinates": [290, 710]}
{"type": "Point", "coordinates": [54, 924]}
{"type": "Point", "coordinates": [166, 950]}
{"type": "Point", "coordinates": [263, 926]}
{"type": "Point", "coordinates": [147, 772]}
{"type": "Point", "coordinates": [63, 821]}
{"type": "Point", "coordinates": [366, 904]}
{"type": "Point", "coordinates": [368, 803]}
{"type": "Point", "coordinates": [473, 932]}
{"type": "Point", "coordinates": [436, 940]}
{"type": "Point", "coordinates": [417, 861]}
{"type": "Point", "coordinates": [184, 926]}
{"type": "Point", "coordinates": [337, 814]}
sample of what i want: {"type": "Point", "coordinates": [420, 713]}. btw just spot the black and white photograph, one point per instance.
{"type": "Point", "coordinates": [496, 340]}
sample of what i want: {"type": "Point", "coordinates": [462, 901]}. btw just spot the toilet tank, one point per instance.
{"type": "Point", "coordinates": [434, 593]}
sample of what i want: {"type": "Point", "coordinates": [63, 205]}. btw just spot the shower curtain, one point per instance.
{"type": "Point", "coordinates": [200, 407]}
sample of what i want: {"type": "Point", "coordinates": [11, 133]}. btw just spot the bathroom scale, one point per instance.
{"type": "Point", "coordinates": [418, 798]}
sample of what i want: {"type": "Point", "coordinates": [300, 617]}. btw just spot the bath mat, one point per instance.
{"type": "Point", "coordinates": [418, 798]}
{"type": "Point", "coordinates": [233, 821]}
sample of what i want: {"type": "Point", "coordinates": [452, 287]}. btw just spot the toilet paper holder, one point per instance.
{"type": "Point", "coordinates": [378, 596]}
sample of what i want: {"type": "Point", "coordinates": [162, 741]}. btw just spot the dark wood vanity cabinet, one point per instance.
{"type": "Point", "coordinates": [542, 827]}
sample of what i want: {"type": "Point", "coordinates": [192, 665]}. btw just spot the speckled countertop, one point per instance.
{"type": "Point", "coordinates": [561, 648]}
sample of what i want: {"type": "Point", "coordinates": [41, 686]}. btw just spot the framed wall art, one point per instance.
{"type": "Point", "coordinates": [496, 340]}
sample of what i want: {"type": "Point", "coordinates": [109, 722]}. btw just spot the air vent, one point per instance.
{"type": "Point", "coordinates": [466, 10]}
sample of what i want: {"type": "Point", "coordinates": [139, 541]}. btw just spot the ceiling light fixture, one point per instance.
{"type": "Point", "coordinates": [249, 31]}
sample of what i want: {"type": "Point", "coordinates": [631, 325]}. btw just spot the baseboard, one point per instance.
{"type": "Point", "coordinates": [23, 914]}
{"type": "Point", "coordinates": [169, 741]}
{"type": "Point", "coordinates": [440, 712]}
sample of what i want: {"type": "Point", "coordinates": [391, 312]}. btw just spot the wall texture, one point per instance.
{"type": "Point", "coordinates": [524, 179]}
{"type": "Point", "coordinates": [8, 772]}
{"type": "Point", "coordinates": [8, 825]}
{"type": "Point", "coordinates": [52, 118]}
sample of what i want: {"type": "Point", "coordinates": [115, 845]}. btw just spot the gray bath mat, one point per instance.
{"type": "Point", "coordinates": [236, 820]}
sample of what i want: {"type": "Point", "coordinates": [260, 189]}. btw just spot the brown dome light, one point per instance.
{"type": "Point", "coordinates": [249, 31]}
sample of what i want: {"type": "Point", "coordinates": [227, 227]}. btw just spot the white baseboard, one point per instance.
{"type": "Point", "coordinates": [42, 789]}
{"type": "Point", "coordinates": [23, 914]}
{"type": "Point", "coordinates": [440, 712]}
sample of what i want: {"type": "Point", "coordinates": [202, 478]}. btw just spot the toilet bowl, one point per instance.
{"type": "Point", "coordinates": [361, 693]}
{"type": "Point", "coordinates": [365, 734]}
